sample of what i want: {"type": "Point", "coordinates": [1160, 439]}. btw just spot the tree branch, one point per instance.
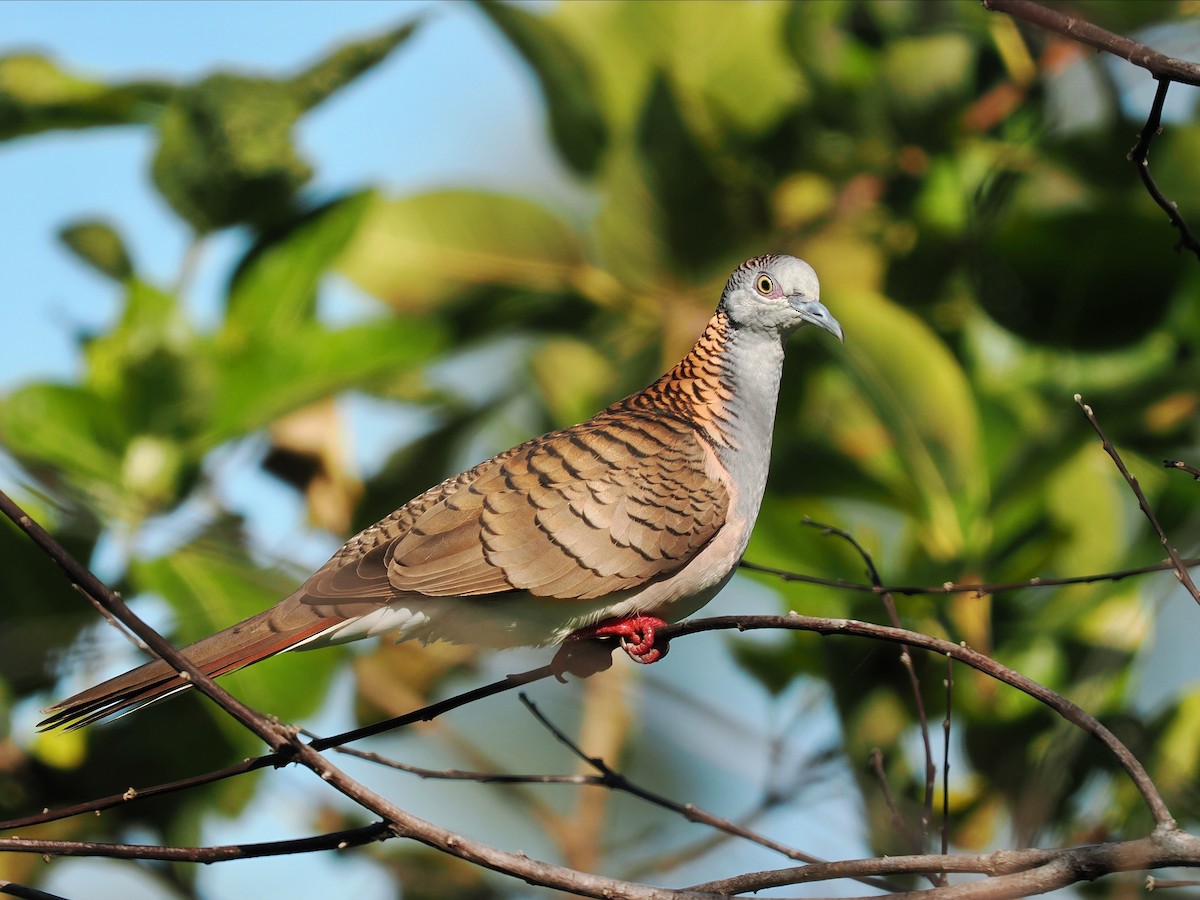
{"type": "Point", "coordinates": [1157, 64]}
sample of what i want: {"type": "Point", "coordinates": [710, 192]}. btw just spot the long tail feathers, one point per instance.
{"type": "Point", "coordinates": [227, 651]}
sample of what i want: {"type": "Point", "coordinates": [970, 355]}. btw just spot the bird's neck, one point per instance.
{"type": "Point", "coordinates": [727, 385]}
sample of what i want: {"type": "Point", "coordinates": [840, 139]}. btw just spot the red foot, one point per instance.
{"type": "Point", "coordinates": [637, 634]}
{"type": "Point", "coordinates": [582, 657]}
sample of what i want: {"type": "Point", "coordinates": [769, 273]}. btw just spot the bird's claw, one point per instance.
{"type": "Point", "coordinates": [638, 637]}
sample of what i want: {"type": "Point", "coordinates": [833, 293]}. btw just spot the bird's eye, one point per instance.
{"type": "Point", "coordinates": [764, 284]}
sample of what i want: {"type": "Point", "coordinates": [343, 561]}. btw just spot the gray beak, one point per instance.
{"type": "Point", "coordinates": [815, 312]}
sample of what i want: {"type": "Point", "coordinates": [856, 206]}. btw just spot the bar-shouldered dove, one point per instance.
{"type": "Point", "coordinates": [612, 527]}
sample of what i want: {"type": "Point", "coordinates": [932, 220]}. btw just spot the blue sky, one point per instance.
{"type": "Point", "coordinates": [412, 123]}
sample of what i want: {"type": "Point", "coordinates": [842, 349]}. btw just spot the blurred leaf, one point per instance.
{"type": "Point", "coordinates": [99, 245]}
{"type": "Point", "coordinates": [573, 378]}
{"type": "Point", "coordinates": [68, 428]}
{"type": "Point", "coordinates": [275, 286]}
{"type": "Point", "coordinates": [316, 83]}
{"type": "Point", "coordinates": [921, 71]}
{"type": "Point", "coordinates": [419, 252]}
{"type": "Point", "coordinates": [576, 124]}
{"type": "Point", "coordinates": [212, 584]}
{"type": "Point", "coordinates": [36, 96]}
{"type": "Point", "coordinates": [702, 215]}
{"type": "Point", "coordinates": [251, 389]}
{"type": "Point", "coordinates": [921, 395]}
{"type": "Point", "coordinates": [225, 153]}
{"type": "Point", "coordinates": [1034, 281]}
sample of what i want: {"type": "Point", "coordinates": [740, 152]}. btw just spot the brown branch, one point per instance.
{"type": "Point", "coordinates": [1013, 873]}
{"type": "Point", "coordinates": [27, 893]}
{"type": "Point", "coordinates": [946, 723]}
{"type": "Point", "coordinates": [951, 587]}
{"type": "Point", "coordinates": [964, 654]}
{"type": "Point", "coordinates": [101, 595]}
{"type": "Point", "coordinates": [338, 840]}
{"type": "Point", "coordinates": [614, 780]}
{"type": "Point", "coordinates": [1181, 571]}
{"type": "Point", "coordinates": [906, 661]}
{"type": "Point", "coordinates": [885, 788]}
{"type": "Point", "coordinates": [1165, 70]}
{"type": "Point", "coordinates": [424, 714]}
{"type": "Point", "coordinates": [1157, 64]}
{"type": "Point", "coordinates": [1183, 467]}
{"type": "Point", "coordinates": [1140, 157]}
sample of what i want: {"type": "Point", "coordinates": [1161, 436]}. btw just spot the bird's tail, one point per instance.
{"type": "Point", "coordinates": [226, 651]}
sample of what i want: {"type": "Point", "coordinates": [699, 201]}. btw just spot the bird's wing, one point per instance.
{"type": "Point", "coordinates": [602, 507]}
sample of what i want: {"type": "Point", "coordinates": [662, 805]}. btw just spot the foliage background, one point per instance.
{"type": "Point", "coordinates": [314, 349]}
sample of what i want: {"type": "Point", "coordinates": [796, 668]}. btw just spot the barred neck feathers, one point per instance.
{"type": "Point", "coordinates": [726, 386]}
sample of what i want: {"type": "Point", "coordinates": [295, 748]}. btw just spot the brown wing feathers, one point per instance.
{"type": "Point", "coordinates": [604, 507]}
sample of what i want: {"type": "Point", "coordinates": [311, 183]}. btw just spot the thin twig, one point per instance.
{"type": "Point", "coordinates": [27, 893]}
{"type": "Point", "coordinates": [885, 789]}
{"type": "Point", "coordinates": [1157, 64]}
{"type": "Point", "coordinates": [964, 654]}
{"type": "Point", "coordinates": [906, 661]}
{"type": "Point", "coordinates": [338, 840]}
{"type": "Point", "coordinates": [1183, 467]}
{"type": "Point", "coordinates": [946, 725]}
{"type": "Point", "coordinates": [1140, 157]}
{"type": "Point", "coordinates": [614, 780]}
{"type": "Point", "coordinates": [1044, 870]}
{"type": "Point", "coordinates": [93, 588]}
{"type": "Point", "coordinates": [950, 587]}
{"type": "Point", "coordinates": [1177, 562]}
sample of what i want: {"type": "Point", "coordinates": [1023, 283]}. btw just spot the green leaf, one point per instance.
{"type": "Point", "coordinates": [920, 395]}
{"type": "Point", "coordinates": [574, 378]}
{"type": "Point", "coordinates": [576, 124]}
{"type": "Point", "coordinates": [70, 429]}
{"type": "Point", "coordinates": [275, 286]}
{"type": "Point", "coordinates": [703, 214]}
{"type": "Point", "coordinates": [99, 245]}
{"type": "Point", "coordinates": [226, 155]}
{"type": "Point", "coordinates": [419, 252]}
{"type": "Point", "coordinates": [212, 584]}
{"type": "Point", "coordinates": [36, 96]}
{"type": "Point", "coordinates": [316, 83]}
{"type": "Point", "coordinates": [253, 387]}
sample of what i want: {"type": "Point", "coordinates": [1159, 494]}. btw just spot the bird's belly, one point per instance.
{"type": "Point", "coordinates": [519, 619]}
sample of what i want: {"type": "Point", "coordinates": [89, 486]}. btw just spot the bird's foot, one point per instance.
{"type": "Point", "coordinates": [581, 657]}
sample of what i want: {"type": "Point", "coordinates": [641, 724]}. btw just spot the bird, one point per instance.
{"type": "Point", "coordinates": [607, 529]}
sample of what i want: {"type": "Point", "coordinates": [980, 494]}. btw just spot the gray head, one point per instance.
{"type": "Point", "coordinates": [776, 294]}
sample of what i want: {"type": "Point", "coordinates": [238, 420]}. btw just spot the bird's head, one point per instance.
{"type": "Point", "coordinates": [776, 294]}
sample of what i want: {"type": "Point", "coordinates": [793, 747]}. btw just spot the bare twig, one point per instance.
{"type": "Point", "coordinates": [964, 654]}
{"type": "Point", "coordinates": [951, 587]}
{"type": "Point", "coordinates": [1183, 467]}
{"type": "Point", "coordinates": [1165, 70]}
{"type": "Point", "coordinates": [1140, 157]}
{"type": "Point", "coordinates": [339, 840]}
{"type": "Point", "coordinates": [1181, 571]}
{"type": "Point", "coordinates": [99, 593]}
{"type": "Point", "coordinates": [1013, 873]}
{"type": "Point", "coordinates": [28, 893]}
{"type": "Point", "coordinates": [1157, 64]}
{"type": "Point", "coordinates": [614, 780]}
{"type": "Point", "coordinates": [946, 723]}
{"type": "Point", "coordinates": [914, 838]}
{"type": "Point", "coordinates": [906, 661]}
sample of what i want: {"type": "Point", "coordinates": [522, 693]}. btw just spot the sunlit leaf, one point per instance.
{"type": "Point", "coordinates": [36, 95]}
{"type": "Point", "coordinates": [255, 386]}
{"type": "Point", "coordinates": [418, 252]}
{"type": "Point", "coordinates": [275, 286]}
{"type": "Point", "coordinates": [99, 245]}
{"type": "Point", "coordinates": [578, 128]}
{"type": "Point", "coordinates": [316, 83]}
{"type": "Point", "coordinates": [226, 155]}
